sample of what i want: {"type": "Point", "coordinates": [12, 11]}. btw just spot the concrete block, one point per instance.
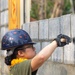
{"type": "Point", "coordinates": [0, 6]}
{"type": "Point", "coordinates": [34, 30]}
{"type": "Point", "coordinates": [44, 44]}
{"type": "Point", "coordinates": [3, 31]}
{"type": "Point", "coordinates": [54, 28]}
{"type": "Point", "coordinates": [65, 24]}
{"type": "Point", "coordinates": [43, 29]}
{"type": "Point", "coordinates": [6, 4]}
{"type": "Point", "coordinates": [3, 53]}
{"type": "Point", "coordinates": [0, 18]}
{"type": "Point", "coordinates": [73, 25]}
{"type": "Point", "coordinates": [38, 47]}
{"type": "Point", "coordinates": [69, 54]}
{"type": "Point", "coordinates": [3, 4]}
{"type": "Point", "coordinates": [4, 17]}
{"type": "Point", "coordinates": [0, 33]}
{"type": "Point", "coordinates": [0, 47]}
{"type": "Point", "coordinates": [0, 66]}
{"type": "Point", "coordinates": [57, 55]}
{"type": "Point", "coordinates": [26, 27]}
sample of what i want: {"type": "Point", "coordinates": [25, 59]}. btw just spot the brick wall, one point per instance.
{"type": "Point", "coordinates": [44, 31]}
{"type": "Point", "coordinates": [62, 61]}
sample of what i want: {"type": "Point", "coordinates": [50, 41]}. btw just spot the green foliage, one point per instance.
{"type": "Point", "coordinates": [67, 7]}
{"type": "Point", "coordinates": [34, 10]}
{"type": "Point", "coordinates": [49, 8]}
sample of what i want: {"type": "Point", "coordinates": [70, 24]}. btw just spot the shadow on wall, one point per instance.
{"type": "Point", "coordinates": [63, 71]}
{"type": "Point", "coordinates": [52, 68]}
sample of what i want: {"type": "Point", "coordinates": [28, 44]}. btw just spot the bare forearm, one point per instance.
{"type": "Point", "coordinates": [48, 50]}
{"type": "Point", "coordinates": [43, 55]}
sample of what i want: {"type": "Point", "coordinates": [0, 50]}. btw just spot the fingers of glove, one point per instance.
{"type": "Point", "coordinates": [59, 36]}
{"type": "Point", "coordinates": [59, 40]}
{"type": "Point", "coordinates": [68, 39]}
{"type": "Point", "coordinates": [63, 43]}
{"type": "Point", "coordinates": [62, 40]}
{"type": "Point", "coordinates": [62, 37]}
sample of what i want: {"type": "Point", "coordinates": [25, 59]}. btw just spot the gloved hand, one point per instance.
{"type": "Point", "coordinates": [62, 43]}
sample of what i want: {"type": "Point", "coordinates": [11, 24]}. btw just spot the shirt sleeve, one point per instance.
{"type": "Point", "coordinates": [24, 68]}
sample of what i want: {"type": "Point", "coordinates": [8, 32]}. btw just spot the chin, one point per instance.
{"type": "Point", "coordinates": [32, 56]}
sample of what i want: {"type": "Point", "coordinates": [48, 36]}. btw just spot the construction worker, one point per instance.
{"type": "Point", "coordinates": [21, 54]}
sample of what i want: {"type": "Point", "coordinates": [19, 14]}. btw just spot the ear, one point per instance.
{"type": "Point", "coordinates": [21, 53]}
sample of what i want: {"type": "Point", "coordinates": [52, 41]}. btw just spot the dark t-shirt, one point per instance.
{"type": "Point", "coordinates": [23, 68]}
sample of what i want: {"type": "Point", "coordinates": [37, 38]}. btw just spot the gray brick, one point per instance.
{"type": "Point", "coordinates": [3, 4]}
{"type": "Point", "coordinates": [43, 29]}
{"type": "Point", "coordinates": [0, 18]}
{"type": "Point", "coordinates": [0, 33]}
{"type": "Point", "coordinates": [34, 30]}
{"type": "Point", "coordinates": [69, 54]}
{"type": "Point", "coordinates": [66, 29]}
{"type": "Point", "coordinates": [3, 31]}
{"type": "Point", "coordinates": [0, 48]}
{"type": "Point", "coordinates": [26, 27]}
{"type": "Point", "coordinates": [65, 24]}
{"type": "Point", "coordinates": [45, 44]}
{"type": "Point", "coordinates": [3, 53]}
{"type": "Point", "coordinates": [6, 4]}
{"type": "Point", "coordinates": [0, 6]}
{"type": "Point", "coordinates": [73, 25]}
{"type": "Point", "coordinates": [38, 47]}
{"type": "Point", "coordinates": [54, 28]}
{"type": "Point", "coordinates": [57, 55]}
{"type": "Point", "coordinates": [4, 17]}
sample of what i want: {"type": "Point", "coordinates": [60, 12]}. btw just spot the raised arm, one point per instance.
{"type": "Point", "coordinates": [43, 55]}
{"type": "Point", "coordinates": [46, 52]}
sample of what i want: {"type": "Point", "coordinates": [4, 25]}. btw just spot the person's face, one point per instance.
{"type": "Point", "coordinates": [28, 52]}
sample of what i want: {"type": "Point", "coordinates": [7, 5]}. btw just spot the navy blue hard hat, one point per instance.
{"type": "Point", "coordinates": [15, 38]}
